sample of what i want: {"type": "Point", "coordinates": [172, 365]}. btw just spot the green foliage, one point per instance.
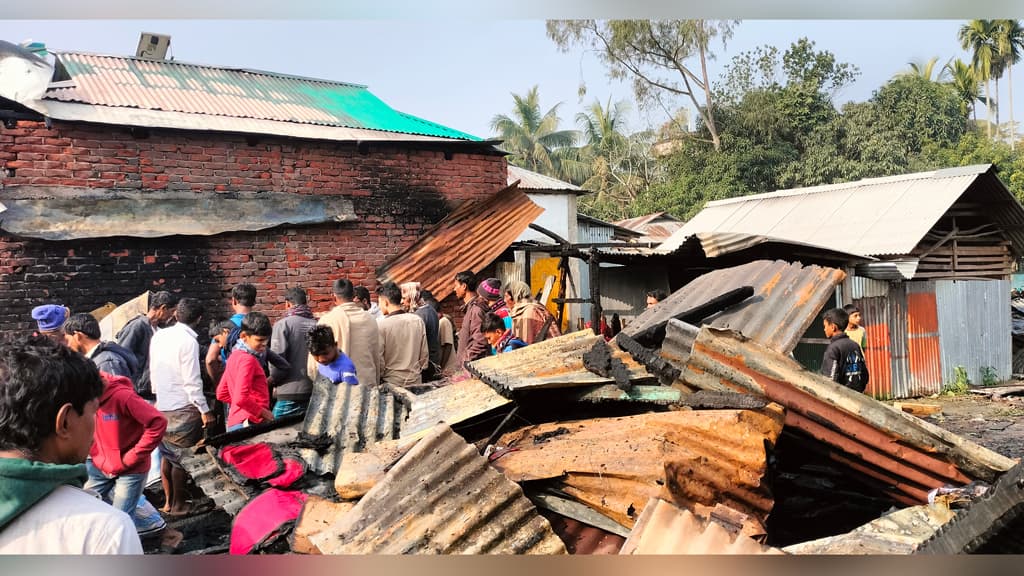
{"type": "Point", "coordinates": [961, 382]}
{"type": "Point", "coordinates": [989, 376]}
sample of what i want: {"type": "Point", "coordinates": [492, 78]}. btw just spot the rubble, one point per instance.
{"type": "Point", "coordinates": [666, 529]}
{"type": "Point", "coordinates": [316, 516]}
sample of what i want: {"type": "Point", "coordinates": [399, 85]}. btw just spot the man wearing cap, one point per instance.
{"type": "Point", "coordinates": [472, 343]}
{"type": "Point", "coordinates": [50, 321]}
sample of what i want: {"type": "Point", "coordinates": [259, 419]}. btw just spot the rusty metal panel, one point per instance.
{"type": "Point", "coordinates": [887, 215]}
{"type": "Point", "coordinates": [878, 354]}
{"type": "Point", "coordinates": [923, 358]}
{"type": "Point", "coordinates": [68, 213]}
{"type": "Point", "coordinates": [168, 86]}
{"type": "Point", "coordinates": [695, 458]}
{"type": "Point", "coordinates": [910, 454]}
{"type": "Point", "coordinates": [666, 529]}
{"type": "Point", "coordinates": [898, 341]}
{"type": "Point", "coordinates": [786, 299]}
{"type": "Point", "coordinates": [974, 327]}
{"type": "Point", "coordinates": [452, 405]}
{"type": "Point", "coordinates": [470, 238]}
{"type": "Point", "coordinates": [350, 418]}
{"type": "Point", "coordinates": [442, 497]}
{"type": "Point", "coordinates": [553, 363]}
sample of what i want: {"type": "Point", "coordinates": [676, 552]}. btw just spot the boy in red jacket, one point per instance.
{"type": "Point", "coordinates": [244, 384]}
{"type": "Point", "coordinates": [128, 429]}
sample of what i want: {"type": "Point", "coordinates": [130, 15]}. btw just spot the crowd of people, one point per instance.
{"type": "Point", "coordinates": [84, 421]}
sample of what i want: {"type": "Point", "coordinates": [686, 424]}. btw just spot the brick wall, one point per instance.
{"type": "Point", "coordinates": [397, 190]}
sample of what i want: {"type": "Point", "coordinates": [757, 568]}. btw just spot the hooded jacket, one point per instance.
{"type": "Point", "coordinates": [23, 483]}
{"type": "Point", "coordinates": [128, 429]}
{"type": "Point", "coordinates": [116, 360]}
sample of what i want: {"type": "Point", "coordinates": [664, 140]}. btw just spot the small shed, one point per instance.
{"type": "Point", "coordinates": [935, 295]}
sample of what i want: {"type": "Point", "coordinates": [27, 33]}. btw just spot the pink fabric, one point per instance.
{"type": "Point", "coordinates": [293, 470]}
{"type": "Point", "coordinates": [264, 518]}
{"type": "Point", "coordinates": [253, 461]}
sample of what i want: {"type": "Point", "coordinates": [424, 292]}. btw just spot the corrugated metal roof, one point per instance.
{"type": "Point", "coordinates": [452, 405]}
{"type": "Point", "coordinates": [553, 363]}
{"type": "Point", "coordinates": [535, 182]}
{"type": "Point", "coordinates": [354, 417]}
{"type": "Point", "coordinates": [656, 227]}
{"type": "Point", "coordinates": [695, 458]}
{"type": "Point", "coordinates": [899, 532]}
{"type": "Point", "coordinates": [786, 299]}
{"type": "Point", "coordinates": [442, 497]}
{"type": "Point", "coordinates": [876, 216]}
{"type": "Point", "coordinates": [908, 454]}
{"type": "Point", "coordinates": [119, 81]}
{"type": "Point", "coordinates": [666, 529]}
{"type": "Point", "coordinates": [469, 238]}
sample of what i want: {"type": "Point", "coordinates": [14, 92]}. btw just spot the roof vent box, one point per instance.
{"type": "Point", "coordinates": [153, 46]}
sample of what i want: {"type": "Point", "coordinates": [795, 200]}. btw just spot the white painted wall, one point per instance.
{"type": "Point", "coordinates": [559, 216]}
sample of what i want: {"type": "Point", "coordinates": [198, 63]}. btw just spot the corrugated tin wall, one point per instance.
{"type": "Point", "coordinates": [974, 327]}
{"type": "Point", "coordinates": [924, 366]}
{"type": "Point", "coordinates": [877, 320]}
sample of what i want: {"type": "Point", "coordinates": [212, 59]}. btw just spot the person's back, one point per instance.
{"type": "Point", "coordinates": [357, 336]}
{"type": "Point", "coordinates": [117, 360]}
{"type": "Point", "coordinates": [404, 350]}
{"type": "Point", "coordinates": [843, 361]}
{"type": "Point", "coordinates": [289, 340]}
{"type": "Point", "coordinates": [136, 336]}
{"type": "Point", "coordinates": [49, 396]}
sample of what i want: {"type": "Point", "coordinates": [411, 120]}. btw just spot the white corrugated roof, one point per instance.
{"type": "Point", "coordinates": [532, 181]}
{"type": "Point", "coordinates": [873, 217]}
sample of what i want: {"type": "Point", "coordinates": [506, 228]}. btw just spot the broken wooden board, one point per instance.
{"type": "Point", "coordinates": [614, 465]}
{"type": "Point", "coordinates": [659, 395]}
{"type": "Point", "coordinates": [900, 532]}
{"type": "Point", "coordinates": [316, 516]}
{"type": "Point", "coordinates": [917, 409]}
{"type": "Point", "coordinates": [664, 528]}
{"type": "Point", "coordinates": [361, 471]}
{"type": "Point", "coordinates": [997, 392]}
{"type": "Point", "coordinates": [451, 404]}
{"type": "Point", "coordinates": [442, 497]}
{"type": "Point", "coordinates": [554, 363]}
{"type": "Point", "coordinates": [112, 323]}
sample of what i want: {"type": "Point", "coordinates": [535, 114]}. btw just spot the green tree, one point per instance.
{"type": "Point", "coordinates": [534, 141]}
{"type": "Point", "coordinates": [927, 69]}
{"type": "Point", "coordinates": [656, 55]}
{"type": "Point", "coordinates": [1009, 40]}
{"type": "Point", "coordinates": [964, 80]}
{"type": "Point", "coordinates": [919, 111]}
{"type": "Point", "coordinates": [978, 36]}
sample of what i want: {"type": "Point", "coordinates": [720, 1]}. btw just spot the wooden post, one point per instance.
{"type": "Point", "coordinates": [595, 291]}
{"type": "Point", "coordinates": [563, 266]}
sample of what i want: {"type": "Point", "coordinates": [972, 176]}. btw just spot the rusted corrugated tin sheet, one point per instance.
{"type": "Point", "coordinates": [900, 532]}
{"type": "Point", "coordinates": [924, 362]}
{"type": "Point", "coordinates": [786, 299]}
{"type": "Point", "coordinates": [696, 459]}
{"type": "Point", "coordinates": [470, 238]}
{"type": "Point", "coordinates": [888, 215]}
{"type": "Point", "coordinates": [452, 405]}
{"type": "Point", "coordinates": [667, 529]}
{"type": "Point", "coordinates": [169, 86]}
{"type": "Point", "coordinates": [351, 418]}
{"type": "Point", "coordinates": [442, 497]}
{"type": "Point", "coordinates": [69, 213]}
{"type": "Point", "coordinates": [875, 311]}
{"type": "Point", "coordinates": [910, 455]}
{"type": "Point", "coordinates": [974, 327]}
{"type": "Point", "coordinates": [554, 363]}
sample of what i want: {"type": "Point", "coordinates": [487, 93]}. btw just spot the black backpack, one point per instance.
{"type": "Point", "coordinates": [855, 371]}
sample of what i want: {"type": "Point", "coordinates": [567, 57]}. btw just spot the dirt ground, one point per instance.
{"type": "Point", "coordinates": [995, 424]}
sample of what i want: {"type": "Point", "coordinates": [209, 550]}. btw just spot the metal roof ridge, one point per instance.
{"type": "Point", "coordinates": [976, 169]}
{"type": "Point", "coordinates": [59, 53]}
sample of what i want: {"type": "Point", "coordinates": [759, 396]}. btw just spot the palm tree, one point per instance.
{"type": "Point", "coordinates": [603, 144]}
{"type": "Point", "coordinates": [978, 36]}
{"type": "Point", "coordinates": [964, 80]}
{"type": "Point", "coordinates": [533, 139]}
{"type": "Point", "coordinates": [926, 69]}
{"type": "Point", "coordinates": [1009, 39]}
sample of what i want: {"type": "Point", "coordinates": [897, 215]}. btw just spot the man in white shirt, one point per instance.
{"type": "Point", "coordinates": [178, 385]}
{"type": "Point", "coordinates": [48, 401]}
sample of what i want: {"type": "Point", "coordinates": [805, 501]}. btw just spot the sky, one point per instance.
{"type": "Point", "coordinates": [460, 73]}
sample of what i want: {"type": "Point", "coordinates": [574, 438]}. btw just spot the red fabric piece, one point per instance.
{"type": "Point", "coordinates": [264, 518]}
{"type": "Point", "coordinates": [293, 470]}
{"type": "Point", "coordinates": [128, 429]}
{"type": "Point", "coordinates": [253, 461]}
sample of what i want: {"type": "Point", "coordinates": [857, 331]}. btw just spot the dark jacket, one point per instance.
{"type": "Point", "coordinates": [115, 360]}
{"type": "Point", "coordinates": [289, 341]}
{"type": "Point", "coordinates": [135, 336]}
{"type": "Point", "coordinates": [844, 363]}
{"type": "Point", "coordinates": [430, 320]}
{"type": "Point", "coordinates": [472, 342]}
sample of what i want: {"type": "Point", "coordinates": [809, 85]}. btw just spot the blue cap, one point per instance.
{"type": "Point", "coordinates": [50, 317]}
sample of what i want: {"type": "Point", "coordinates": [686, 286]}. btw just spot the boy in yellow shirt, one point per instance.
{"type": "Point", "coordinates": [854, 329]}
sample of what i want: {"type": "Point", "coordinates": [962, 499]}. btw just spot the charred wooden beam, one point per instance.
{"type": "Point", "coordinates": [254, 430]}
{"type": "Point", "coordinates": [654, 363]}
{"type": "Point", "coordinates": [599, 360]}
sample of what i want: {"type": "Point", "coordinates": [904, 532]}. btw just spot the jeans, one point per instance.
{"type": "Point", "coordinates": [122, 492]}
{"type": "Point", "coordinates": [288, 407]}
{"type": "Point", "coordinates": [238, 426]}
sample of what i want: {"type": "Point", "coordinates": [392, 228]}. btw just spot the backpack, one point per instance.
{"type": "Point", "coordinates": [855, 372]}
